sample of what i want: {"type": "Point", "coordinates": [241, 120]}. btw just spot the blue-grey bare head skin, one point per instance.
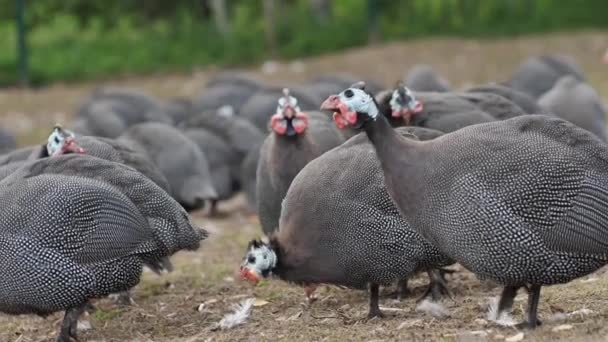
{"type": "Point", "coordinates": [259, 261]}
{"type": "Point", "coordinates": [61, 141]}
{"type": "Point", "coordinates": [287, 105]}
{"type": "Point", "coordinates": [403, 98]}
{"type": "Point", "coordinates": [358, 100]}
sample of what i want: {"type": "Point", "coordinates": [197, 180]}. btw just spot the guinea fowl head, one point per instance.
{"type": "Point", "coordinates": [352, 107]}
{"type": "Point", "coordinates": [403, 103]}
{"type": "Point", "coordinates": [258, 262]}
{"type": "Point", "coordinates": [288, 120]}
{"type": "Point", "coordinates": [62, 141]}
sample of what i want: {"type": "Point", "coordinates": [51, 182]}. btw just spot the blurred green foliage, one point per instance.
{"type": "Point", "coordinates": [78, 39]}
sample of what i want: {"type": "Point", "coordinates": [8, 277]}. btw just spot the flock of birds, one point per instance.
{"type": "Point", "coordinates": [508, 179]}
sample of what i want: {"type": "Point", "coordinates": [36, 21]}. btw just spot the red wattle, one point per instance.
{"type": "Point", "coordinates": [278, 124]}
{"type": "Point", "coordinates": [351, 117]}
{"type": "Point", "coordinates": [300, 122]}
{"type": "Point", "coordinates": [339, 121]}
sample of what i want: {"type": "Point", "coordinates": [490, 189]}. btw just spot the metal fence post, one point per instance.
{"type": "Point", "coordinates": [372, 20]}
{"type": "Point", "coordinates": [22, 57]}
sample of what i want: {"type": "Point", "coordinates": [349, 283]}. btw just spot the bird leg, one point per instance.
{"type": "Point", "coordinates": [123, 298]}
{"type": "Point", "coordinates": [533, 296]}
{"type": "Point", "coordinates": [70, 324]}
{"type": "Point", "coordinates": [309, 291]}
{"type": "Point", "coordinates": [438, 287]}
{"type": "Point", "coordinates": [402, 290]}
{"type": "Point", "coordinates": [501, 313]}
{"type": "Point", "coordinates": [213, 212]}
{"type": "Point", "coordinates": [374, 305]}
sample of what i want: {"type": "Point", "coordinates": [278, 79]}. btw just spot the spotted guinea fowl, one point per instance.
{"type": "Point", "coordinates": [109, 111]}
{"type": "Point", "coordinates": [345, 230]}
{"type": "Point", "coordinates": [226, 89]}
{"type": "Point", "coordinates": [7, 141]}
{"type": "Point", "coordinates": [261, 104]}
{"type": "Point", "coordinates": [179, 109]}
{"type": "Point", "coordinates": [184, 165]}
{"type": "Point", "coordinates": [63, 141]}
{"type": "Point", "coordinates": [523, 100]}
{"type": "Point", "coordinates": [536, 75]}
{"type": "Point", "coordinates": [68, 236]}
{"type": "Point", "coordinates": [445, 112]}
{"type": "Point", "coordinates": [422, 77]}
{"type": "Point", "coordinates": [296, 139]}
{"type": "Point", "coordinates": [577, 102]}
{"type": "Point", "coordinates": [522, 201]}
{"type": "Point", "coordinates": [59, 142]}
{"type": "Point", "coordinates": [20, 154]}
{"type": "Point", "coordinates": [221, 159]}
{"type": "Point", "coordinates": [244, 140]}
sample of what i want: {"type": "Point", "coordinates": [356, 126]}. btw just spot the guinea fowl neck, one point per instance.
{"type": "Point", "coordinates": [402, 161]}
{"type": "Point", "coordinates": [386, 140]}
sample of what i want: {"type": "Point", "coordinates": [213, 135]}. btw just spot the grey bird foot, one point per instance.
{"type": "Point", "coordinates": [373, 313]}
{"type": "Point", "coordinates": [528, 325]}
{"type": "Point", "coordinates": [70, 324]}
{"type": "Point", "coordinates": [438, 287]}
{"type": "Point", "coordinates": [123, 298]}
{"type": "Point", "coordinates": [400, 294]}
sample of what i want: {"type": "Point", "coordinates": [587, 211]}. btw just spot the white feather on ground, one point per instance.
{"type": "Point", "coordinates": [505, 319]}
{"type": "Point", "coordinates": [432, 308]}
{"type": "Point", "coordinates": [239, 316]}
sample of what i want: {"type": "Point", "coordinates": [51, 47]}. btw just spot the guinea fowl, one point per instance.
{"type": "Point", "coordinates": [248, 177]}
{"type": "Point", "coordinates": [58, 257]}
{"type": "Point", "coordinates": [264, 101]}
{"type": "Point", "coordinates": [226, 89]}
{"type": "Point", "coordinates": [296, 139]}
{"type": "Point", "coordinates": [7, 141]}
{"type": "Point", "coordinates": [62, 141]}
{"type": "Point", "coordinates": [110, 150]}
{"type": "Point", "coordinates": [577, 102]}
{"type": "Point", "coordinates": [523, 100]}
{"type": "Point", "coordinates": [59, 142]}
{"type": "Point", "coordinates": [536, 75]}
{"type": "Point", "coordinates": [422, 77]}
{"type": "Point", "coordinates": [179, 109]}
{"type": "Point", "coordinates": [109, 111]}
{"type": "Point", "coordinates": [345, 230]}
{"type": "Point", "coordinates": [221, 158]}
{"type": "Point", "coordinates": [520, 201]}
{"type": "Point", "coordinates": [178, 158]}
{"type": "Point", "coordinates": [244, 139]}
{"type": "Point", "coordinates": [446, 112]}
{"type": "Point", "coordinates": [343, 80]}
{"type": "Point", "coordinates": [18, 155]}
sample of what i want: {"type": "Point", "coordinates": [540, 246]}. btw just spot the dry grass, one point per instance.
{"type": "Point", "coordinates": [166, 308]}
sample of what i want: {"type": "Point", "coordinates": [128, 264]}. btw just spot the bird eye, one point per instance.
{"type": "Point", "coordinates": [348, 93]}
{"type": "Point", "coordinates": [56, 140]}
{"type": "Point", "coordinates": [251, 259]}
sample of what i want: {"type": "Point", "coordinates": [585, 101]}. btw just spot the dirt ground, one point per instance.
{"type": "Point", "coordinates": [186, 304]}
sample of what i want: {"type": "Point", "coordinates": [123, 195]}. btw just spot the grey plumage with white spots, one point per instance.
{"type": "Point", "coordinates": [68, 236]}
{"type": "Point", "coordinates": [179, 159]}
{"type": "Point", "coordinates": [282, 157]}
{"type": "Point", "coordinates": [577, 102]}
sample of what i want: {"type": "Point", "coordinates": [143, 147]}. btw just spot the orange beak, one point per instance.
{"type": "Point", "coordinates": [249, 275]}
